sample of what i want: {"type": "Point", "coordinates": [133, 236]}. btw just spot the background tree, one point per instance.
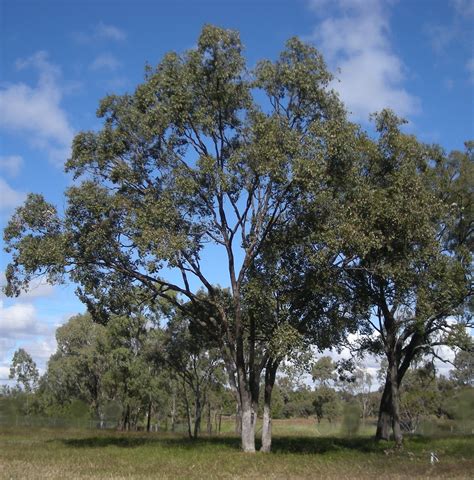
{"type": "Point", "coordinates": [326, 403]}
{"type": "Point", "coordinates": [324, 371]}
{"type": "Point", "coordinates": [194, 361]}
{"type": "Point", "coordinates": [76, 369]}
{"type": "Point", "coordinates": [420, 397]}
{"type": "Point", "coordinates": [463, 371]}
{"type": "Point", "coordinates": [23, 369]}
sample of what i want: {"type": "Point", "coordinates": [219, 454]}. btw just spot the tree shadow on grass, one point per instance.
{"type": "Point", "coordinates": [280, 444]}
{"type": "Point", "coordinates": [121, 440]}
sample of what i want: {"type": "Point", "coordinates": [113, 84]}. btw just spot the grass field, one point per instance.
{"type": "Point", "coordinates": [300, 452]}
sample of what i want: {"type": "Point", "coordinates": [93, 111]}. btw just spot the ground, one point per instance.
{"type": "Point", "coordinates": [301, 451]}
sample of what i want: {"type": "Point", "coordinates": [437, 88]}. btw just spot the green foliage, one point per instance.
{"type": "Point", "coordinates": [327, 404]}
{"type": "Point", "coordinates": [420, 397]}
{"type": "Point", "coordinates": [324, 371]}
{"type": "Point", "coordinates": [23, 370]}
{"type": "Point", "coordinates": [326, 232]}
{"type": "Point", "coordinates": [76, 370]}
{"type": "Point", "coordinates": [463, 372]}
{"type": "Point", "coordinates": [351, 419]}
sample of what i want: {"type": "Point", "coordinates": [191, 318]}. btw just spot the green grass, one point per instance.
{"type": "Point", "coordinates": [299, 452]}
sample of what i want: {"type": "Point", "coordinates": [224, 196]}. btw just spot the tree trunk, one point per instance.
{"type": "Point", "coordinates": [126, 419]}
{"type": "Point", "coordinates": [266, 429]}
{"type": "Point", "coordinates": [197, 414]}
{"type": "Point", "coordinates": [238, 420]}
{"type": "Point", "coordinates": [385, 412]}
{"type": "Point", "coordinates": [148, 420]}
{"type": "Point", "coordinates": [173, 411]}
{"type": "Point", "coordinates": [395, 400]}
{"type": "Point", "coordinates": [248, 426]}
{"type": "Point", "coordinates": [209, 419]}
{"type": "Point", "coordinates": [188, 412]}
{"type": "Point", "coordinates": [270, 372]}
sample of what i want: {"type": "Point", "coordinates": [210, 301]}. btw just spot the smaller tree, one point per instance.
{"type": "Point", "coordinates": [419, 398]}
{"type": "Point", "coordinates": [324, 371]}
{"type": "Point", "coordinates": [463, 372]}
{"type": "Point", "coordinates": [326, 404]}
{"type": "Point", "coordinates": [23, 369]}
{"type": "Point", "coordinates": [194, 361]}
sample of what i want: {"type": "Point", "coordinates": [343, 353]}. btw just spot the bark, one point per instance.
{"type": "Point", "coordinates": [126, 419]}
{"type": "Point", "coordinates": [389, 412]}
{"type": "Point", "coordinates": [238, 420]}
{"type": "Point", "coordinates": [395, 400]}
{"type": "Point", "coordinates": [270, 373]}
{"type": "Point", "coordinates": [173, 411]}
{"type": "Point", "coordinates": [248, 427]}
{"type": "Point", "coordinates": [385, 413]}
{"type": "Point", "coordinates": [188, 413]}
{"type": "Point", "coordinates": [209, 419]}
{"type": "Point", "coordinates": [197, 414]}
{"type": "Point", "coordinates": [148, 420]}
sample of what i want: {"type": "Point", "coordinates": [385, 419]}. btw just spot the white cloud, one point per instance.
{"type": "Point", "coordinates": [4, 373]}
{"type": "Point", "coordinates": [35, 112]}
{"type": "Point", "coordinates": [105, 61]}
{"type": "Point", "coordinates": [464, 7]}
{"type": "Point", "coordinates": [110, 31]}
{"type": "Point", "coordinates": [38, 289]}
{"type": "Point", "coordinates": [11, 164]}
{"type": "Point", "coordinates": [18, 319]}
{"type": "Point", "coordinates": [41, 349]}
{"type": "Point", "coordinates": [355, 39]}
{"type": "Point", "coordinates": [101, 31]}
{"type": "Point", "coordinates": [9, 198]}
{"type": "Point", "coordinates": [447, 354]}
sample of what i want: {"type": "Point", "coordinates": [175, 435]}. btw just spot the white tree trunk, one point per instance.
{"type": "Point", "coordinates": [266, 429]}
{"type": "Point", "coordinates": [248, 429]}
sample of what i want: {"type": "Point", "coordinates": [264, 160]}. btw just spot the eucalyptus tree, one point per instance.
{"type": "Point", "coordinates": [193, 359]}
{"type": "Point", "coordinates": [128, 373]}
{"type": "Point", "coordinates": [408, 252]}
{"type": "Point", "coordinates": [23, 369]}
{"type": "Point", "coordinates": [187, 163]}
{"type": "Point", "coordinates": [293, 296]}
{"type": "Point", "coordinates": [76, 370]}
{"type": "Point", "coordinates": [463, 372]}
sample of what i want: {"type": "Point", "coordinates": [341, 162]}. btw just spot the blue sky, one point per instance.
{"type": "Point", "coordinates": [59, 58]}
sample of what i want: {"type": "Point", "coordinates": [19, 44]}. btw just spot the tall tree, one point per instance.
{"type": "Point", "coordinates": [408, 251]}
{"type": "Point", "coordinates": [188, 160]}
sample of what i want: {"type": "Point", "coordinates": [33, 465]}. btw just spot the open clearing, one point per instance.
{"type": "Point", "coordinates": [300, 452]}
